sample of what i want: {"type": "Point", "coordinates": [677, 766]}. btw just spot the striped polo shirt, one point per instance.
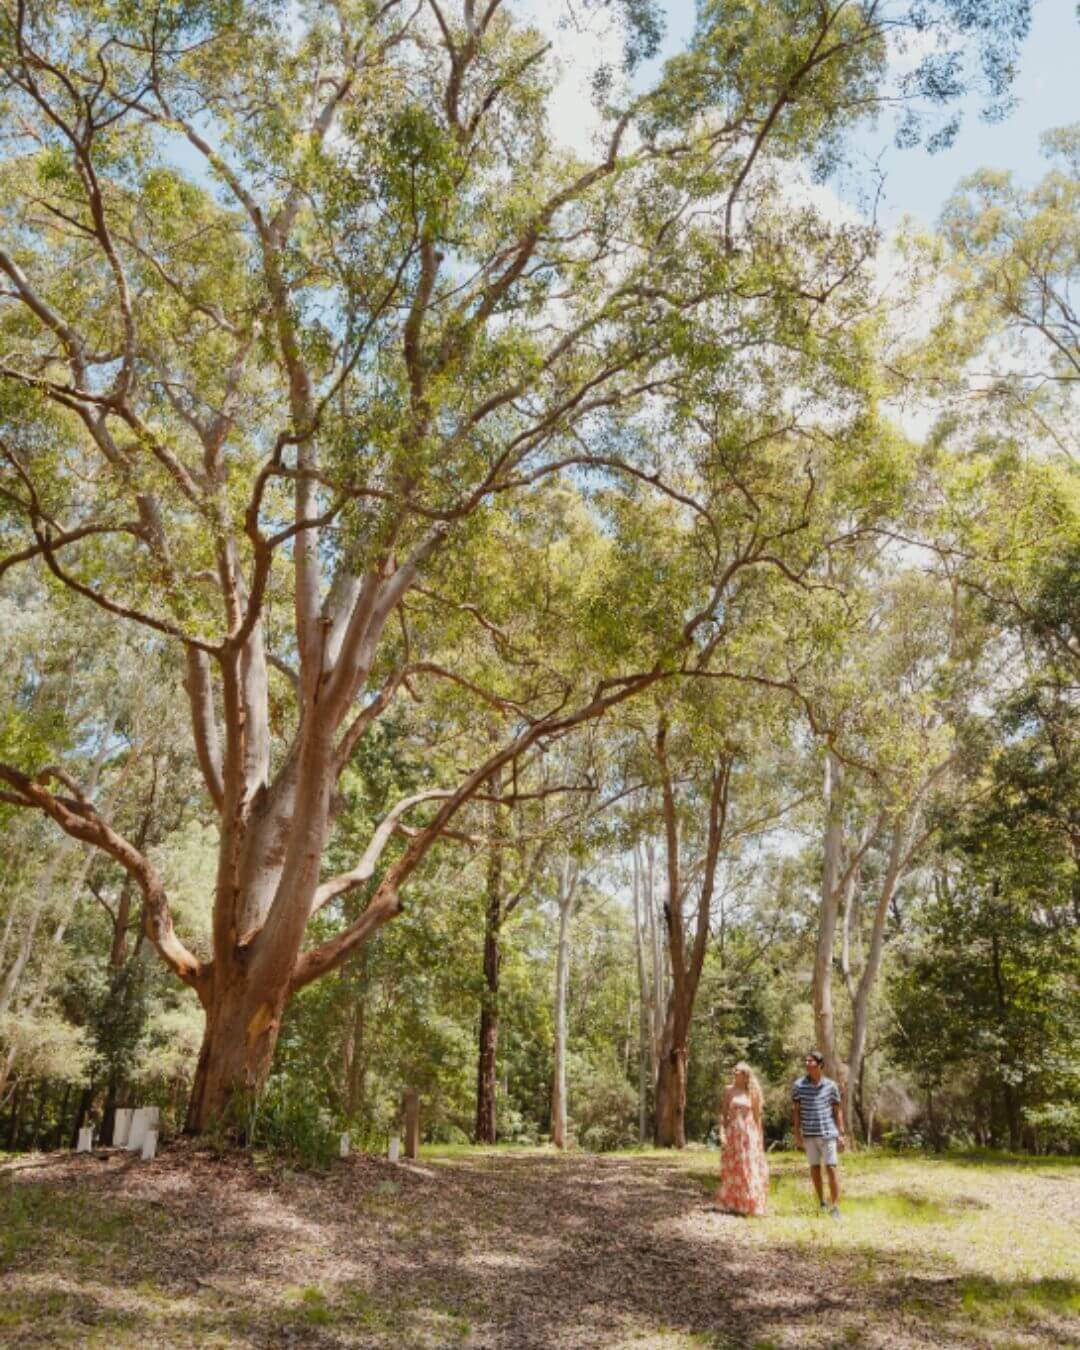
{"type": "Point", "coordinates": [816, 1102]}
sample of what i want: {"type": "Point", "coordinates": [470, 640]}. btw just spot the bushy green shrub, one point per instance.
{"type": "Point", "coordinates": [293, 1125]}
{"type": "Point", "coordinates": [603, 1106]}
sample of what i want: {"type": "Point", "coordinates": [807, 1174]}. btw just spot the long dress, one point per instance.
{"type": "Point", "coordinates": [744, 1173]}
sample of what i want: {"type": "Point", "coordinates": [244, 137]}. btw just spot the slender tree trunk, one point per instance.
{"type": "Point", "coordinates": [860, 1105]}
{"type": "Point", "coordinates": [660, 990]}
{"type": "Point", "coordinates": [485, 1131]}
{"type": "Point", "coordinates": [644, 1009]}
{"type": "Point", "coordinates": [562, 976]}
{"type": "Point", "coordinates": [568, 880]}
{"type": "Point", "coordinates": [824, 1024]}
{"type": "Point", "coordinates": [862, 1003]}
{"type": "Point", "coordinates": [14, 1124]}
{"type": "Point", "coordinates": [1013, 1118]}
{"type": "Point", "coordinates": [86, 1098]}
{"type": "Point", "coordinates": [687, 958]}
{"type": "Point", "coordinates": [61, 1117]}
{"type": "Point", "coordinates": [39, 1112]}
{"type": "Point", "coordinates": [935, 1136]}
{"type": "Point", "coordinates": [108, 1113]}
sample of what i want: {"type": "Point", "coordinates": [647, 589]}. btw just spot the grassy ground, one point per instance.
{"type": "Point", "coordinates": [518, 1248]}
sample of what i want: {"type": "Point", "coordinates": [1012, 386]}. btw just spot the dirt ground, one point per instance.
{"type": "Point", "coordinates": [511, 1250]}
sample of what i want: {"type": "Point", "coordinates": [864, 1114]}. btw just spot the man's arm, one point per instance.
{"type": "Point", "coordinates": [798, 1126]}
{"type": "Point", "coordinates": [838, 1115]}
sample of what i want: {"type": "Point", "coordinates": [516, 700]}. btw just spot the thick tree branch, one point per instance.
{"type": "Point", "coordinates": [80, 820]}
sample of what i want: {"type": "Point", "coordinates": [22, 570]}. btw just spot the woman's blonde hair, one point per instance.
{"type": "Point", "coordinates": [753, 1085]}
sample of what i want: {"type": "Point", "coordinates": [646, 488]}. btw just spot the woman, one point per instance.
{"type": "Point", "coordinates": [744, 1174]}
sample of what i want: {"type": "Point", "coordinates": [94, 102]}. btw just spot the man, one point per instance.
{"type": "Point", "coordinates": [819, 1126]}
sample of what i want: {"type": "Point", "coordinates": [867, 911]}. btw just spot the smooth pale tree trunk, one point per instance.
{"type": "Point", "coordinates": [824, 1022]}
{"type": "Point", "coordinates": [645, 1052]}
{"type": "Point", "coordinates": [567, 888]}
{"type": "Point", "coordinates": [862, 1002]}
{"type": "Point", "coordinates": [660, 986]}
{"type": "Point", "coordinates": [486, 1128]}
{"type": "Point", "coordinates": [903, 848]}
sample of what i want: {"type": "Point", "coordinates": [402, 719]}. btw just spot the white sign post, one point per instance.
{"type": "Point", "coordinates": [343, 1147]}
{"type": "Point", "coordinates": [145, 1118]}
{"type": "Point", "coordinates": [122, 1126]}
{"type": "Point", "coordinates": [395, 1147]}
{"type": "Point", "coordinates": [136, 1130]}
{"type": "Point", "coordinates": [86, 1140]}
{"type": "Point", "coordinates": [149, 1145]}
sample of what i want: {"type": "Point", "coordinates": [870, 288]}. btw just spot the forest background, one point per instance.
{"type": "Point", "coordinates": [534, 622]}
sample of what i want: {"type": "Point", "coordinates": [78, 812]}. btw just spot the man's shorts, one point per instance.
{"type": "Point", "coordinates": [819, 1150]}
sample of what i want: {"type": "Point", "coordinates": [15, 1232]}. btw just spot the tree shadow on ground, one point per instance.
{"type": "Point", "coordinates": [488, 1251]}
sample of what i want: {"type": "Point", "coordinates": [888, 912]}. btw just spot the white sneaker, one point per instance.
{"type": "Point", "coordinates": [834, 1211]}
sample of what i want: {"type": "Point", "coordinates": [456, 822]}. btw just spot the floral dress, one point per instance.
{"type": "Point", "coordinates": [744, 1174]}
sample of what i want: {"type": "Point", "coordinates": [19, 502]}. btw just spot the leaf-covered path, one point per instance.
{"type": "Point", "coordinates": [529, 1249]}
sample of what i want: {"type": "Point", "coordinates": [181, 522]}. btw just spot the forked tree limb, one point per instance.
{"type": "Point", "coordinates": [80, 820]}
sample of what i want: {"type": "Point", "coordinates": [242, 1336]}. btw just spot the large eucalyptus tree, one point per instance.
{"type": "Point", "coordinates": [293, 293]}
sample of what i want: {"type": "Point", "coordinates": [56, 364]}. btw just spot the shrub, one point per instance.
{"type": "Point", "coordinates": [604, 1106]}
{"type": "Point", "coordinates": [293, 1125]}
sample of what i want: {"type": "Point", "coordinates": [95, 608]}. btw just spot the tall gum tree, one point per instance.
{"type": "Point", "coordinates": [290, 295]}
{"type": "Point", "coordinates": [922, 662]}
{"type": "Point", "coordinates": [717, 794]}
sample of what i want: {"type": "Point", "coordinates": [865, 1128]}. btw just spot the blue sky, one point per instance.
{"type": "Point", "coordinates": [1048, 90]}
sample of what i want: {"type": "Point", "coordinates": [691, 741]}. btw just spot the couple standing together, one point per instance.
{"type": "Point", "coordinates": [819, 1130]}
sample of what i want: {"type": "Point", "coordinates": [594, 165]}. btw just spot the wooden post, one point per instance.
{"type": "Point", "coordinates": [411, 1105]}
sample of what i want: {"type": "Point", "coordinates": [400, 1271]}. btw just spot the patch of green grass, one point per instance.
{"type": "Point", "coordinates": [997, 1300]}
{"type": "Point", "coordinates": [60, 1309]}
{"type": "Point", "coordinates": [904, 1207]}
{"type": "Point", "coordinates": [438, 1152]}
{"type": "Point", "coordinates": [1000, 1158]}
{"type": "Point", "coordinates": [35, 1217]}
{"type": "Point", "coordinates": [354, 1308]}
{"type": "Point", "coordinates": [313, 1308]}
